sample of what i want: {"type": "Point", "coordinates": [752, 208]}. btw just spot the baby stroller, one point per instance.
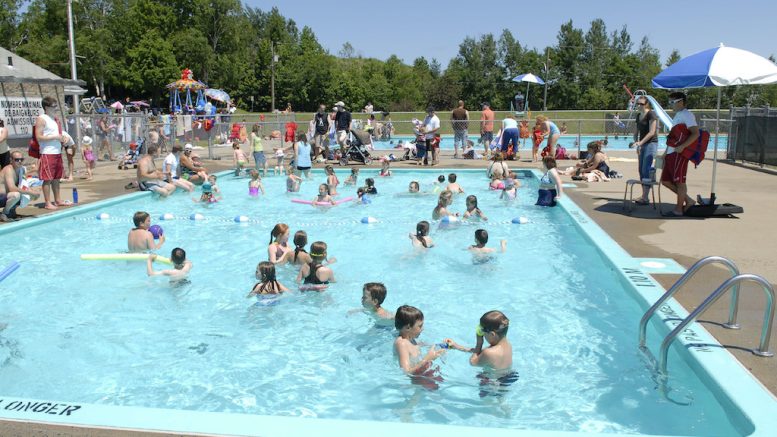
{"type": "Point", "coordinates": [130, 159]}
{"type": "Point", "coordinates": [357, 150]}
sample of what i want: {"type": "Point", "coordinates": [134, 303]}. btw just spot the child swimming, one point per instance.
{"type": "Point", "coordinates": [331, 180]}
{"type": "Point", "coordinates": [385, 165]}
{"type": "Point", "coordinates": [255, 184]}
{"type": "Point", "coordinates": [481, 239]}
{"type": "Point", "coordinates": [279, 243]}
{"type": "Point", "coordinates": [265, 274]}
{"type": "Point", "coordinates": [323, 196]}
{"type": "Point", "coordinates": [139, 238]}
{"type": "Point", "coordinates": [414, 187]}
{"type": "Point", "coordinates": [550, 190]}
{"type": "Point", "coordinates": [369, 186]}
{"type": "Point", "coordinates": [443, 202]}
{"type": "Point", "coordinates": [315, 275]}
{"type": "Point", "coordinates": [362, 197]}
{"type": "Point", "coordinates": [438, 184]}
{"type": "Point", "coordinates": [292, 180]}
{"type": "Point", "coordinates": [373, 295]}
{"type": "Point", "coordinates": [453, 186]}
{"type": "Point", "coordinates": [353, 178]}
{"type": "Point", "coordinates": [409, 321]}
{"type": "Point", "coordinates": [421, 238]}
{"type": "Point", "coordinates": [473, 212]}
{"type": "Point", "coordinates": [181, 266]}
{"type": "Point", "coordinates": [238, 158]}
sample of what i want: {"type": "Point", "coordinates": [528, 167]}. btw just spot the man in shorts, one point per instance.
{"type": "Point", "coordinates": [11, 177]}
{"type": "Point", "coordinates": [320, 132]}
{"type": "Point", "coordinates": [149, 178]}
{"type": "Point", "coordinates": [342, 125]}
{"type": "Point", "coordinates": [431, 130]}
{"type": "Point", "coordinates": [675, 164]}
{"type": "Point", "coordinates": [486, 126]}
{"type": "Point", "coordinates": [48, 133]}
{"type": "Point", "coordinates": [460, 123]}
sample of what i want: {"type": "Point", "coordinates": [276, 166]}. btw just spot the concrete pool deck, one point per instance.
{"type": "Point", "coordinates": [748, 240]}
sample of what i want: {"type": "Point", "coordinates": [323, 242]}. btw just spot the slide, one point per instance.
{"type": "Point", "coordinates": [662, 115]}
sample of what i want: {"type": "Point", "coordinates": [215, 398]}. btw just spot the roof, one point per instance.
{"type": "Point", "coordinates": [20, 70]}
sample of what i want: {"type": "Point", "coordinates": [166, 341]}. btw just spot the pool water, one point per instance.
{"type": "Point", "coordinates": [568, 141]}
{"type": "Point", "coordinates": [105, 333]}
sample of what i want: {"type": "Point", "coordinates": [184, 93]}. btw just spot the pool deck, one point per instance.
{"type": "Point", "coordinates": [750, 241]}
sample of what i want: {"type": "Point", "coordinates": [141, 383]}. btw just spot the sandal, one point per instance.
{"type": "Point", "coordinates": [642, 202]}
{"type": "Point", "coordinates": [672, 214]}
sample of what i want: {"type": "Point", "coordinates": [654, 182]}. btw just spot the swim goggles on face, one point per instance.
{"type": "Point", "coordinates": [479, 331]}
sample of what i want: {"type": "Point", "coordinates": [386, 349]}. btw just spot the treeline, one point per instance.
{"type": "Point", "coordinates": [135, 47]}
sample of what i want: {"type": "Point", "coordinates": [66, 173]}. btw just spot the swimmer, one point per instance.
{"type": "Point", "coordinates": [421, 237]}
{"type": "Point", "coordinates": [385, 164]}
{"type": "Point", "coordinates": [212, 179]}
{"type": "Point", "coordinates": [414, 187]}
{"type": "Point", "coordinates": [181, 266]}
{"type": "Point", "coordinates": [331, 180]}
{"type": "Point", "coordinates": [255, 184]}
{"type": "Point", "coordinates": [373, 295]}
{"type": "Point", "coordinates": [409, 321]}
{"type": "Point", "coordinates": [139, 238]}
{"type": "Point", "coordinates": [315, 272]}
{"type": "Point", "coordinates": [279, 243]}
{"type": "Point", "coordinates": [323, 196]}
{"type": "Point", "coordinates": [207, 193]}
{"type": "Point", "coordinates": [239, 159]}
{"type": "Point", "coordinates": [353, 178]}
{"type": "Point", "coordinates": [497, 358]}
{"type": "Point", "coordinates": [438, 184]}
{"type": "Point", "coordinates": [510, 191]}
{"type": "Point", "coordinates": [265, 274]}
{"type": "Point", "coordinates": [496, 183]}
{"type": "Point", "coordinates": [362, 197]}
{"type": "Point", "coordinates": [481, 238]}
{"type": "Point", "coordinates": [369, 186]}
{"type": "Point", "coordinates": [292, 180]}
{"type": "Point", "coordinates": [453, 186]}
{"type": "Point", "coordinates": [473, 212]}
{"type": "Point", "coordinates": [441, 210]}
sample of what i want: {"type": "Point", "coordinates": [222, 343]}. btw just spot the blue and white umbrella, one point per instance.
{"type": "Point", "coordinates": [529, 79]}
{"type": "Point", "coordinates": [216, 94]}
{"type": "Point", "coordinates": [718, 67]}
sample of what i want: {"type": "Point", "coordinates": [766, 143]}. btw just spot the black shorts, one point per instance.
{"type": "Point", "coordinates": [303, 168]}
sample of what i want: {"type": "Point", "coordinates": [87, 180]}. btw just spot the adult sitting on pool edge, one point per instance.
{"type": "Point", "coordinates": [194, 173]}
{"type": "Point", "coordinates": [149, 177]}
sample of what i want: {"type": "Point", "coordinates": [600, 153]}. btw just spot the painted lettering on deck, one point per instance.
{"type": "Point", "coordinates": [40, 407]}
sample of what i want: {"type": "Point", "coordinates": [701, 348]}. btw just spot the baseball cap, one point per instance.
{"type": "Point", "coordinates": [340, 103]}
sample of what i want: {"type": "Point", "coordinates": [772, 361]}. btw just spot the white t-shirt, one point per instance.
{"type": "Point", "coordinates": [431, 122]}
{"type": "Point", "coordinates": [509, 123]}
{"type": "Point", "coordinates": [685, 117]}
{"type": "Point", "coordinates": [170, 165]}
{"type": "Point", "coordinates": [50, 147]}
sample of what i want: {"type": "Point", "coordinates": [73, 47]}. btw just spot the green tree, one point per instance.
{"type": "Point", "coordinates": [151, 65]}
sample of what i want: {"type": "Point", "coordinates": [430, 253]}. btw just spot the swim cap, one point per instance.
{"type": "Point", "coordinates": [207, 187]}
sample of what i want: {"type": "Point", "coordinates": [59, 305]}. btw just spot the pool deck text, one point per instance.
{"type": "Point", "coordinates": [39, 407]}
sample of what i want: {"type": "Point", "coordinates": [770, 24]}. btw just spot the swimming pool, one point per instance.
{"type": "Point", "coordinates": [568, 141]}
{"type": "Point", "coordinates": [105, 338]}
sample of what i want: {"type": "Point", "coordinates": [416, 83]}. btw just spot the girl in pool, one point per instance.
{"type": "Point", "coordinates": [550, 184]}
{"type": "Point", "coordinates": [362, 197]}
{"type": "Point", "coordinates": [496, 183]}
{"type": "Point", "coordinates": [323, 196]}
{"type": "Point", "coordinates": [331, 180]}
{"type": "Point", "coordinates": [279, 243]}
{"type": "Point", "coordinates": [255, 184]}
{"type": "Point", "coordinates": [292, 180]}
{"type": "Point", "coordinates": [414, 187]}
{"type": "Point", "coordinates": [314, 275]}
{"type": "Point", "coordinates": [385, 167]}
{"type": "Point", "coordinates": [441, 210]}
{"type": "Point", "coordinates": [473, 212]}
{"type": "Point", "coordinates": [265, 274]}
{"type": "Point", "coordinates": [238, 158]}
{"type": "Point", "coordinates": [481, 238]}
{"type": "Point", "coordinates": [369, 187]}
{"type": "Point", "coordinates": [510, 191]}
{"type": "Point", "coordinates": [421, 238]}
{"type": "Point", "coordinates": [353, 178]}
{"type": "Point", "coordinates": [299, 255]}
{"type": "Point", "coordinates": [209, 187]}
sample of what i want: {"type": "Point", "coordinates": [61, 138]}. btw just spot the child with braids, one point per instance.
{"type": "Point", "coordinates": [265, 274]}
{"type": "Point", "coordinates": [315, 276]}
{"type": "Point", "coordinates": [421, 237]}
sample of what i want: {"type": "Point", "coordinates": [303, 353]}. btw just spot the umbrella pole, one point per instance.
{"type": "Point", "coordinates": [715, 151]}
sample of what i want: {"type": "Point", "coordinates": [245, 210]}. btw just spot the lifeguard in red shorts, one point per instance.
{"type": "Point", "coordinates": [48, 132]}
{"type": "Point", "coordinates": [676, 165]}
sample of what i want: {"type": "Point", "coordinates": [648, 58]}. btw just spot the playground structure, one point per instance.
{"type": "Point", "coordinates": [181, 94]}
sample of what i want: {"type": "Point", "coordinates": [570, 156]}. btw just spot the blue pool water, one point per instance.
{"type": "Point", "coordinates": [568, 141]}
{"type": "Point", "coordinates": [105, 333]}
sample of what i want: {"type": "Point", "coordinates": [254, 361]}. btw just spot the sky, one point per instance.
{"type": "Point", "coordinates": [434, 29]}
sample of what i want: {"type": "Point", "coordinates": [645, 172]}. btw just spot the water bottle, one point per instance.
{"type": "Point", "coordinates": [75, 195]}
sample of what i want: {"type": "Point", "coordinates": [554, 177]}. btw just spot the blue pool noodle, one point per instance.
{"type": "Point", "coordinates": [8, 270]}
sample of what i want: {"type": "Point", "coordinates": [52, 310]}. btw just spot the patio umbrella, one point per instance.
{"type": "Point", "coordinates": [117, 105]}
{"type": "Point", "coordinates": [219, 95]}
{"type": "Point", "coordinates": [718, 67]}
{"type": "Point", "coordinates": [529, 79]}
{"type": "Point", "coordinates": [140, 103]}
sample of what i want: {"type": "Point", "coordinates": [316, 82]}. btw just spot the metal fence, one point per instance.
{"type": "Point", "coordinates": [755, 136]}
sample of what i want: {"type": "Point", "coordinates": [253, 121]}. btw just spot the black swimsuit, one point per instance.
{"type": "Point", "coordinates": [311, 278]}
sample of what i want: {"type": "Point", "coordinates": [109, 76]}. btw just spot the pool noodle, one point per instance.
{"type": "Point", "coordinates": [8, 270]}
{"type": "Point", "coordinates": [122, 257]}
{"type": "Point", "coordinates": [310, 202]}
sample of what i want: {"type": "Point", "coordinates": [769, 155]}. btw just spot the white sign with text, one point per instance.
{"type": "Point", "coordinates": [19, 114]}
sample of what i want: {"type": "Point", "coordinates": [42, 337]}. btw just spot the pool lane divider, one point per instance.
{"type": "Point", "coordinates": [6, 272]}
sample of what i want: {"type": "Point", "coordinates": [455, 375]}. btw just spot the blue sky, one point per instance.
{"type": "Point", "coordinates": [381, 28]}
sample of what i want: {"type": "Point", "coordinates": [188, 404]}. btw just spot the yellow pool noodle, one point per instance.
{"type": "Point", "coordinates": [122, 257]}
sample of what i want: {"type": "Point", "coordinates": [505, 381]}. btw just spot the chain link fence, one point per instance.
{"type": "Point", "coordinates": [754, 138]}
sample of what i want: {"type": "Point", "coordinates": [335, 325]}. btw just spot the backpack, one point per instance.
{"type": "Point", "coordinates": [695, 151]}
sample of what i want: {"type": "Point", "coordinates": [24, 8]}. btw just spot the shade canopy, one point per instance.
{"type": "Point", "coordinates": [528, 77]}
{"type": "Point", "coordinates": [719, 66]}
{"type": "Point", "coordinates": [117, 105]}
{"type": "Point", "coordinates": [216, 94]}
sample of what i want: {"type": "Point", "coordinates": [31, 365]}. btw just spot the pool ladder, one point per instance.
{"type": "Point", "coordinates": [730, 284]}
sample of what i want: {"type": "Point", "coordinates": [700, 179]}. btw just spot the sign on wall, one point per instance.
{"type": "Point", "coordinates": [19, 115]}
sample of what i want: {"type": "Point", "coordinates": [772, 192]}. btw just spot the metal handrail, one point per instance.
{"type": "Point", "coordinates": [733, 308]}
{"type": "Point", "coordinates": [766, 329]}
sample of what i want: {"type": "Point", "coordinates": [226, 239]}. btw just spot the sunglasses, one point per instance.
{"type": "Point", "coordinates": [640, 104]}
{"type": "Point", "coordinates": [673, 101]}
{"type": "Point", "coordinates": [18, 159]}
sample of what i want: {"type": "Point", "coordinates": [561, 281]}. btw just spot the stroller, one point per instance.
{"type": "Point", "coordinates": [130, 159]}
{"type": "Point", "coordinates": [357, 150]}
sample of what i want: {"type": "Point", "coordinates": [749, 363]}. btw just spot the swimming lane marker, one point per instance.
{"type": "Point", "coordinates": [6, 272]}
{"type": "Point", "coordinates": [196, 216]}
{"type": "Point", "coordinates": [167, 216]}
{"type": "Point", "coordinates": [369, 220]}
{"type": "Point", "coordinates": [520, 220]}
{"type": "Point", "coordinates": [103, 216]}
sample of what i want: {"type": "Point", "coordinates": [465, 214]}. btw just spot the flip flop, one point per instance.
{"type": "Point", "coordinates": [642, 202]}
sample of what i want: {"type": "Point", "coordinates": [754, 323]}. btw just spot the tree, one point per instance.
{"type": "Point", "coordinates": [152, 64]}
{"type": "Point", "coordinates": [347, 51]}
{"type": "Point", "coordinates": [673, 57]}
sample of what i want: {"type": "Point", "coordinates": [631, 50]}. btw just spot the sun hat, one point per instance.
{"type": "Point", "coordinates": [188, 146]}
{"type": "Point", "coordinates": [340, 103]}
{"type": "Point", "coordinates": [87, 140]}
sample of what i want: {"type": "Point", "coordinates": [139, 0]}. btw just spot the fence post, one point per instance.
{"type": "Point", "coordinates": [579, 136]}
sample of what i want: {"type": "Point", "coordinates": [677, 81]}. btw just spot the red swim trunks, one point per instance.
{"type": "Point", "coordinates": [50, 167]}
{"type": "Point", "coordinates": [675, 168]}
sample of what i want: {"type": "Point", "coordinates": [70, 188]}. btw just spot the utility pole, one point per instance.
{"type": "Point", "coordinates": [547, 67]}
{"type": "Point", "coordinates": [73, 72]}
{"type": "Point", "coordinates": [272, 76]}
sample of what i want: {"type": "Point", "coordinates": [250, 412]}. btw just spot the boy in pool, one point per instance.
{"type": "Point", "coordinates": [409, 321]}
{"type": "Point", "coordinates": [453, 186]}
{"type": "Point", "coordinates": [292, 180]}
{"type": "Point", "coordinates": [373, 295]}
{"type": "Point", "coordinates": [181, 266]}
{"type": "Point", "coordinates": [369, 186]}
{"type": "Point", "coordinates": [497, 358]}
{"type": "Point", "coordinates": [139, 238]}
{"type": "Point", "coordinates": [481, 238]}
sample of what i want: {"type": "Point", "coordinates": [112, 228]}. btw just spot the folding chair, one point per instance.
{"type": "Point", "coordinates": [628, 193]}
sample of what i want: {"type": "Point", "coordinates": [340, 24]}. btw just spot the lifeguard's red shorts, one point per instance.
{"type": "Point", "coordinates": [50, 167]}
{"type": "Point", "coordinates": [675, 168]}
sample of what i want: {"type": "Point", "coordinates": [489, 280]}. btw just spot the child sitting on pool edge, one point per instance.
{"type": "Point", "coordinates": [139, 238]}
{"type": "Point", "coordinates": [181, 266]}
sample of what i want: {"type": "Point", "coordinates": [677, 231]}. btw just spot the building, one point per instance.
{"type": "Point", "coordinates": [22, 87]}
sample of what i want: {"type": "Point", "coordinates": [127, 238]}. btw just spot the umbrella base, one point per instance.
{"type": "Point", "coordinates": [717, 210]}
